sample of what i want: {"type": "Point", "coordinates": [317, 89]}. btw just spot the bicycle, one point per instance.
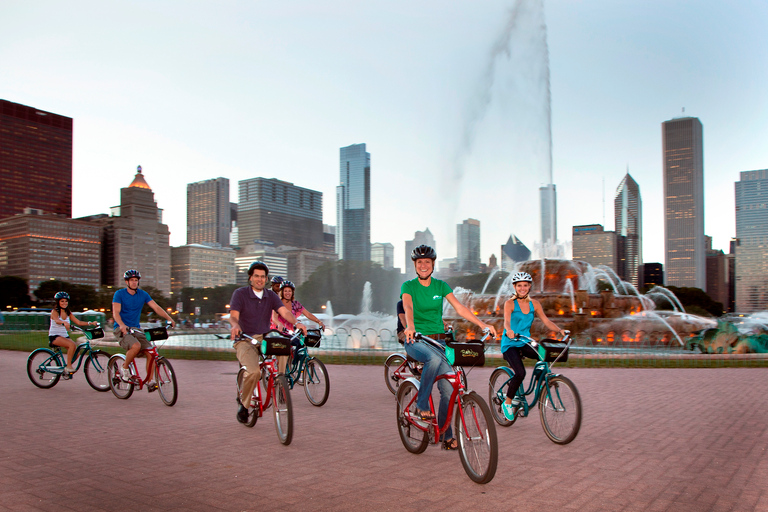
{"type": "Point", "coordinates": [474, 428]}
{"type": "Point", "coordinates": [276, 390]}
{"type": "Point", "coordinates": [557, 397]}
{"type": "Point", "coordinates": [162, 370]}
{"type": "Point", "coordinates": [45, 366]}
{"type": "Point", "coordinates": [308, 371]}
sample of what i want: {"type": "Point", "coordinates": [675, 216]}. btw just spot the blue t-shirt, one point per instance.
{"type": "Point", "coordinates": [131, 306]}
{"type": "Point", "coordinates": [520, 323]}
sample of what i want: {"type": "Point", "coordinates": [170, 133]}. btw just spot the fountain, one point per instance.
{"type": "Point", "coordinates": [368, 329]}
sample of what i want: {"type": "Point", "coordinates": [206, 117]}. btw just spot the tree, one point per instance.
{"type": "Point", "coordinates": [80, 296]}
{"type": "Point", "coordinates": [14, 292]}
{"type": "Point", "coordinates": [696, 301]}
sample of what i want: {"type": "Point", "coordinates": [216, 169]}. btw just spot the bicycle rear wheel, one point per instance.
{"type": "Point", "coordinates": [166, 381]}
{"type": "Point", "coordinates": [121, 389]}
{"type": "Point", "coordinates": [39, 363]}
{"type": "Point", "coordinates": [560, 410]}
{"type": "Point", "coordinates": [497, 393]}
{"type": "Point", "coordinates": [414, 439]}
{"type": "Point", "coordinates": [395, 363]}
{"type": "Point", "coordinates": [95, 370]}
{"type": "Point", "coordinates": [476, 432]}
{"type": "Point", "coordinates": [316, 382]}
{"type": "Point", "coordinates": [253, 412]}
{"type": "Point", "coordinates": [283, 410]}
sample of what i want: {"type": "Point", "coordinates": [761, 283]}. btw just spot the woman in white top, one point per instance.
{"type": "Point", "coordinates": [58, 333]}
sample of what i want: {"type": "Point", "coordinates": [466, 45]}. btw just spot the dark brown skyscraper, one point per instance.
{"type": "Point", "coordinates": [35, 160]}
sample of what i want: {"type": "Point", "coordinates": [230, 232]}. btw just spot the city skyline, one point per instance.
{"type": "Point", "coordinates": [303, 81]}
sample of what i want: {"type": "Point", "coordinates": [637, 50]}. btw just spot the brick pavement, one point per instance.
{"type": "Point", "coordinates": [651, 439]}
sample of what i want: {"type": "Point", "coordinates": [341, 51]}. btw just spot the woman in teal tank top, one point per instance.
{"type": "Point", "coordinates": [519, 312]}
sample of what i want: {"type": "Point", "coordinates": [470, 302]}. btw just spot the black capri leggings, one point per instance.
{"type": "Point", "coordinates": [514, 356]}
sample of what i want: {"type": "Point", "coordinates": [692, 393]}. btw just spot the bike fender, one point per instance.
{"type": "Point", "coordinates": [414, 381]}
{"type": "Point", "coordinates": [508, 370]}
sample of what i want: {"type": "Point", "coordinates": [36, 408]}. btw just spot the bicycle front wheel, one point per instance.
{"type": "Point", "coordinates": [121, 389]}
{"type": "Point", "coordinates": [96, 370]}
{"type": "Point", "coordinates": [166, 381]}
{"type": "Point", "coordinates": [414, 439]}
{"type": "Point", "coordinates": [497, 393]}
{"type": "Point", "coordinates": [395, 370]}
{"type": "Point", "coordinates": [283, 410]}
{"type": "Point", "coordinates": [560, 410]}
{"type": "Point", "coordinates": [39, 365]}
{"type": "Point", "coordinates": [478, 445]}
{"type": "Point", "coordinates": [316, 383]}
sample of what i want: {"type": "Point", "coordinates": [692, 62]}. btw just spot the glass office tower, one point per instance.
{"type": "Point", "coordinates": [752, 241]}
{"type": "Point", "coordinates": [353, 204]}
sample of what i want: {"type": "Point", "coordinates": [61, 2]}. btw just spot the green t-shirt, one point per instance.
{"type": "Point", "coordinates": [427, 304]}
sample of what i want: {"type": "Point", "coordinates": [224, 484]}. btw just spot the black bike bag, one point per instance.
{"type": "Point", "coordinates": [312, 339]}
{"type": "Point", "coordinates": [471, 353]}
{"type": "Point", "coordinates": [553, 349]}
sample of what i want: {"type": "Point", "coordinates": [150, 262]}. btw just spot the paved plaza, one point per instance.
{"type": "Point", "coordinates": [651, 439]}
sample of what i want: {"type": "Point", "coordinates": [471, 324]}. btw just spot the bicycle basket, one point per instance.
{"type": "Point", "coordinates": [94, 334]}
{"type": "Point", "coordinates": [312, 339]}
{"type": "Point", "coordinates": [156, 333]}
{"type": "Point", "coordinates": [553, 349]}
{"type": "Point", "coordinates": [275, 345]}
{"type": "Point", "coordinates": [465, 354]}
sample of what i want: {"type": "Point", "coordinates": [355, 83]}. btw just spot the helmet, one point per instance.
{"type": "Point", "coordinates": [277, 280]}
{"type": "Point", "coordinates": [131, 273]}
{"type": "Point", "coordinates": [423, 251]}
{"type": "Point", "coordinates": [260, 265]}
{"type": "Point", "coordinates": [521, 276]}
{"type": "Point", "coordinates": [288, 284]}
{"type": "Point", "coordinates": [61, 295]}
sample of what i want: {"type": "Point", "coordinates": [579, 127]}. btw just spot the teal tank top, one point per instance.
{"type": "Point", "coordinates": [520, 323]}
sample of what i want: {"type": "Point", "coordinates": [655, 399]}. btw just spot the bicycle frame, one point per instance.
{"type": "Point", "coordinates": [268, 364]}
{"type": "Point", "coordinates": [82, 352]}
{"type": "Point", "coordinates": [150, 353]}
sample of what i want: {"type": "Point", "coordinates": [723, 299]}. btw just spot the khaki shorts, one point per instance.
{"type": "Point", "coordinates": [127, 341]}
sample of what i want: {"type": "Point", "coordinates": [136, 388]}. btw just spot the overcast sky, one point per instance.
{"type": "Point", "coordinates": [450, 98]}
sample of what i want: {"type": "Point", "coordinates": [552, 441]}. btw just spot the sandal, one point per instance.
{"type": "Point", "coordinates": [450, 444]}
{"type": "Point", "coordinates": [424, 415]}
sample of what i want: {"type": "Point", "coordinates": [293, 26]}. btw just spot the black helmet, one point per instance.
{"type": "Point", "coordinates": [288, 284]}
{"type": "Point", "coordinates": [260, 265]}
{"type": "Point", "coordinates": [131, 273]}
{"type": "Point", "coordinates": [277, 280]}
{"type": "Point", "coordinates": [423, 251]}
{"type": "Point", "coordinates": [61, 295]}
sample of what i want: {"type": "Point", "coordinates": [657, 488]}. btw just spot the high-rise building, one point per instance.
{"type": "Point", "coordinates": [383, 254]}
{"type": "Point", "coordinates": [651, 274]}
{"type": "Point", "coordinates": [683, 156]}
{"type": "Point", "coordinates": [136, 238]}
{"type": "Point", "coordinates": [548, 197]}
{"type": "Point", "coordinates": [201, 266]}
{"type": "Point", "coordinates": [595, 246]}
{"type": "Point", "coordinates": [717, 274]}
{"type": "Point", "coordinates": [353, 204]}
{"type": "Point", "coordinates": [468, 246]}
{"type": "Point", "coordinates": [512, 252]}
{"type": "Point", "coordinates": [39, 247]}
{"type": "Point", "coordinates": [628, 210]}
{"type": "Point", "coordinates": [209, 217]}
{"type": "Point", "coordinates": [35, 160]}
{"type": "Point", "coordinates": [279, 213]}
{"type": "Point", "coordinates": [419, 238]}
{"type": "Point", "coordinates": [302, 263]}
{"type": "Point", "coordinates": [752, 241]}
{"type": "Point", "coordinates": [267, 253]}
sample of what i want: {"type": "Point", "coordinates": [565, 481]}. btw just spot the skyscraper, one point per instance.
{"type": "Point", "coordinates": [419, 238]}
{"type": "Point", "coordinates": [548, 197]}
{"type": "Point", "coordinates": [279, 213]}
{"type": "Point", "coordinates": [752, 241]}
{"type": "Point", "coordinates": [35, 160]}
{"type": "Point", "coordinates": [353, 204]}
{"type": "Point", "coordinates": [595, 246]}
{"type": "Point", "coordinates": [468, 245]}
{"type": "Point", "coordinates": [513, 252]}
{"type": "Point", "coordinates": [208, 212]}
{"type": "Point", "coordinates": [383, 254]}
{"type": "Point", "coordinates": [683, 156]}
{"type": "Point", "coordinates": [628, 209]}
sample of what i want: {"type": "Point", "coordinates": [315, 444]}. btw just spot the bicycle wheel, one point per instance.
{"type": "Point", "coordinates": [283, 410]}
{"type": "Point", "coordinates": [414, 439]}
{"type": "Point", "coordinates": [395, 363]}
{"type": "Point", "coordinates": [476, 433]}
{"type": "Point", "coordinates": [96, 370]}
{"type": "Point", "coordinates": [316, 382]}
{"type": "Point", "coordinates": [253, 412]}
{"type": "Point", "coordinates": [166, 381]}
{"type": "Point", "coordinates": [497, 393]}
{"type": "Point", "coordinates": [39, 365]}
{"type": "Point", "coordinates": [560, 410]}
{"type": "Point", "coordinates": [121, 389]}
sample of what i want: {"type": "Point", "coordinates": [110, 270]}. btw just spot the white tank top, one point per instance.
{"type": "Point", "coordinates": [57, 329]}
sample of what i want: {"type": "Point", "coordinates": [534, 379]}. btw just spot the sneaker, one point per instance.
{"type": "Point", "coordinates": [151, 386]}
{"type": "Point", "coordinates": [125, 374]}
{"type": "Point", "coordinates": [510, 409]}
{"type": "Point", "coordinates": [69, 369]}
{"type": "Point", "coordinates": [242, 414]}
{"type": "Point", "coordinates": [300, 382]}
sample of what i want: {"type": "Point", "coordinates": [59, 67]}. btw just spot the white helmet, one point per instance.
{"type": "Point", "coordinates": [521, 276]}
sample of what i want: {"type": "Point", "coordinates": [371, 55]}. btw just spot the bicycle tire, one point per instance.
{"type": "Point", "coordinates": [95, 369]}
{"type": "Point", "coordinates": [253, 412]}
{"type": "Point", "coordinates": [317, 384]}
{"type": "Point", "coordinates": [392, 364]}
{"type": "Point", "coordinates": [560, 409]}
{"type": "Point", "coordinates": [37, 361]}
{"type": "Point", "coordinates": [283, 410]}
{"type": "Point", "coordinates": [497, 393]}
{"type": "Point", "coordinates": [121, 389]}
{"type": "Point", "coordinates": [476, 434]}
{"type": "Point", "coordinates": [414, 439]}
{"type": "Point", "coordinates": [166, 381]}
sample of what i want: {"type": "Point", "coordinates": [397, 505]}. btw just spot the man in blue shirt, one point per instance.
{"type": "Point", "coordinates": [127, 304]}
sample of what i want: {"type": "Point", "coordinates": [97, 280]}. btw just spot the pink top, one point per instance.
{"type": "Point", "coordinates": [296, 309]}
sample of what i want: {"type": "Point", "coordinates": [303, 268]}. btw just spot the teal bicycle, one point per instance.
{"type": "Point", "coordinates": [557, 397]}
{"type": "Point", "coordinates": [306, 370]}
{"type": "Point", "coordinates": [45, 366]}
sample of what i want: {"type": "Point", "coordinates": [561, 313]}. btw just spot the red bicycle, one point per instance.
{"type": "Point", "coordinates": [162, 371]}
